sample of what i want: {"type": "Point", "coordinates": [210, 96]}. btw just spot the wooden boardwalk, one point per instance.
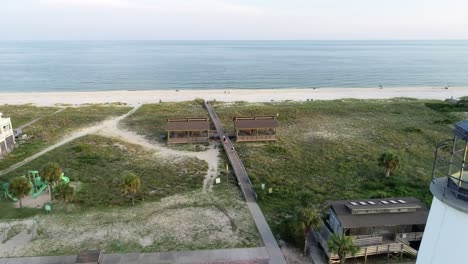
{"type": "Point", "coordinates": [275, 253]}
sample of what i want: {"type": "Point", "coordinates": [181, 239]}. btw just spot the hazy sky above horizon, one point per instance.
{"type": "Point", "coordinates": [232, 19]}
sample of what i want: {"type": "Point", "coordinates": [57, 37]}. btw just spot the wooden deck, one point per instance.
{"type": "Point", "coordinates": [368, 245]}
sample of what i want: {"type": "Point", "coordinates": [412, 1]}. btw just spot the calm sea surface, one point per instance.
{"type": "Point", "coordinates": [145, 65]}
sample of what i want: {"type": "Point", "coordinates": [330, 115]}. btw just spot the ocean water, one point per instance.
{"type": "Point", "coordinates": [148, 65]}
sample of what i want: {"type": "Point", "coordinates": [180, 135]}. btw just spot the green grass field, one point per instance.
{"type": "Point", "coordinates": [51, 128]}
{"type": "Point", "coordinates": [328, 150]}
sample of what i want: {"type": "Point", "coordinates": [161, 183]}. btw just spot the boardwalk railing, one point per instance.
{"type": "Point", "coordinates": [275, 253]}
{"type": "Point", "coordinates": [242, 168]}
{"type": "Point", "coordinates": [413, 236]}
{"type": "Point", "coordinates": [368, 245]}
{"type": "Point", "coordinates": [256, 138]}
{"type": "Point", "coordinates": [175, 140]}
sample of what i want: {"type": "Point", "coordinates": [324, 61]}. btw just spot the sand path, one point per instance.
{"type": "Point", "coordinates": [210, 156]}
{"type": "Point", "coordinates": [111, 128]}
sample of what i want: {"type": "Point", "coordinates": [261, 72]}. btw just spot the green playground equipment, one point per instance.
{"type": "Point", "coordinates": [64, 178]}
{"type": "Point", "coordinates": [8, 194]}
{"type": "Point", "coordinates": [38, 186]}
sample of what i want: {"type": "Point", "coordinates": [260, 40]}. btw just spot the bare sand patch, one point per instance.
{"type": "Point", "coordinates": [179, 222]}
{"type": "Point", "coordinates": [38, 202]}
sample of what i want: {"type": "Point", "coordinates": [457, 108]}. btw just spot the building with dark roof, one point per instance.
{"type": "Point", "coordinates": [392, 226]}
{"type": "Point", "coordinates": [259, 128]}
{"type": "Point", "coordinates": [188, 130]}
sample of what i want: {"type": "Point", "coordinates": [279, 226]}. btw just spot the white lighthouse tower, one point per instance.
{"type": "Point", "coordinates": [446, 235]}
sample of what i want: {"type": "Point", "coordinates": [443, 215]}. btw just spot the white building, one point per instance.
{"type": "Point", "coordinates": [446, 234]}
{"type": "Point", "coordinates": [7, 137]}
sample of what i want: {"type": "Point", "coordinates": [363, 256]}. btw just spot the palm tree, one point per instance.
{"type": "Point", "coordinates": [390, 162]}
{"type": "Point", "coordinates": [342, 246]}
{"type": "Point", "coordinates": [20, 187]}
{"type": "Point", "coordinates": [130, 185]}
{"type": "Point", "coordinates": [64, 191]}
{"type": "Point", "coordinates": [51, 173]}
{"type": "Point", "coordinates": [310, 219]}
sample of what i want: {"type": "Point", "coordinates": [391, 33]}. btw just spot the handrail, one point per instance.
{"type": "Point", "coordinates": [453, 183]}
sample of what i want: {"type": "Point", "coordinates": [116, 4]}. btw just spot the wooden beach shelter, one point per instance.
{"type": "Point", "coordinates": [188, 130]}
{"type": "Point", "coordinates": [259, 128]}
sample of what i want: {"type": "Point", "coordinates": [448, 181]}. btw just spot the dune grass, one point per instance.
{"type": "Point", "coordinates": [328, 150]}
{"type": "Point", "coordinates": [8, 211]}
{"type": "Point", "coordinates": [22, 114]}
{"type": "Point", "coordinates": [171, 211]}
{"type": "Point", "coordinates": [51, 128]}
{"type": "Point", "coordinates": [150, 119]}
{"type": "Point", "coordinates": [97, 163]}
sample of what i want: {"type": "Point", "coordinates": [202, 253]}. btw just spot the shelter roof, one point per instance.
{"type": "Point", "coordinates": [188, 124]}
{"type": "Point", "coordinates": [416, 215]}
{"type": "Point", "coordinates": [255, 122]}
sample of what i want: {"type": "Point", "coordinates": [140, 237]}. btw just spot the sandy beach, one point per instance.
{"type": "Point", "coordinates": [250, 95]}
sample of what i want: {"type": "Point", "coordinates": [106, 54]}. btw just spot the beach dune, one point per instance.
{"type": "Point", "coordinates": [249, 95]}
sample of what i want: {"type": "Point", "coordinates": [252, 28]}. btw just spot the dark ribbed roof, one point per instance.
{"type": "Point", "coordinates": [342, 210]}
{"type": "Point", "coordinates": [255, 122]}
{"type": "Point", "coordinates": [187, 124]}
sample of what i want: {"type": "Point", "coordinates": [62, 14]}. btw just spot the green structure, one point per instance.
{"type": "Point", "coordinates": [38, 186]}
{"type": "Point", "coordinates": [6, 193]}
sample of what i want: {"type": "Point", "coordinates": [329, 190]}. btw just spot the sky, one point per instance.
{"type": "Point", "coordinates": [233, 19]}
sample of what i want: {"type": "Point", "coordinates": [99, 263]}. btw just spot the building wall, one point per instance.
{"type": "Point", "coordinates": [7, 138]}
{"type": "Point", "coordinates": [3, 149]}
{"type": "Point", "coordinates": [10, 142]}
{"type": "Point", "coordinates": [335, 223]}
{"type": "Point", "coordinates": [445, 237]}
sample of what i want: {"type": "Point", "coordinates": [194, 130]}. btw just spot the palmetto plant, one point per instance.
{"type": "Point", "coordinates": [130, 185]}
{"type": "Point", "coordinates": [310, 219]}
{"type": "Point", "coordinates": [64, 192]}
{"type": "Point", "coordinates": [19, 187]}
{"type": "Point", "coordinates": [51, 173]}
{"type": "Point", "coordinates": [342, 246]}
{"type": "Point", "coordinates": [390, 162]}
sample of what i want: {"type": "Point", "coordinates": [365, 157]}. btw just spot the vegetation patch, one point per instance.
{"type": "Point", "coordinates": [99, 164]}
{"type": "Point", "coordinates": [23, 114]}
{"type": "Point", "coordinates": [51, 127]}
{"type": "Point", "coordinates": [329, 150]}
{"type": "Point", "coordinates": [192, 221]}
{"type": "Point", "coordinates": [150, 119]}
